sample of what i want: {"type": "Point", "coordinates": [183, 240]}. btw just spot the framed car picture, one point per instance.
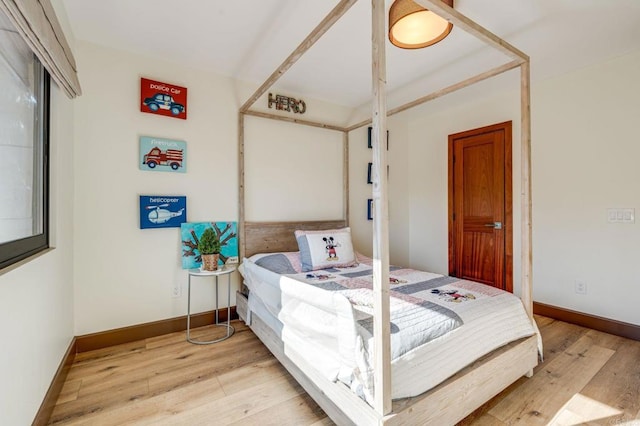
{"type": "Point", "coordinates": [162, 155]}
{"type": "Point", "coordinates": [163, 99]}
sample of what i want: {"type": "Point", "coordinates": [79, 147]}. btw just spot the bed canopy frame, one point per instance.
{"type": "Point", "coordinates": [452, 400]}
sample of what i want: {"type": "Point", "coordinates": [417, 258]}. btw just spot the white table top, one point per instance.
{"type": "Point", "coordinates": [222, 270]}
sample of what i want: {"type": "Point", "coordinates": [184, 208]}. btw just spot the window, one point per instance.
{"type": "Point", "coordinates": [24, 149]}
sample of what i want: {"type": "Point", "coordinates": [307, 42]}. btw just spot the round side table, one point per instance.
{"type": "Point", "coordinates": [225, 270]}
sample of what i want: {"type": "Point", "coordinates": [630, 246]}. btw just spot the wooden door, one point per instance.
{"type": "Point", "coordinates": [480, 206]}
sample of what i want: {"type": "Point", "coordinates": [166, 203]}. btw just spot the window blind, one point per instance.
{"type": "Point", "coordinates": [37, 23]}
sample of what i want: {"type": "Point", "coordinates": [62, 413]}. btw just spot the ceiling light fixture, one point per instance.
{"type": "Point", "coordinates": [411, 26]}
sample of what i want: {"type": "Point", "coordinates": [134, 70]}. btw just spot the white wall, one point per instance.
{"type": "Point", "coordinates": [585, 155]}
{"type": "Point", "coordinates": [585, 151]}
{"type": "Point", "coordinates": [36, 306]}
{"type": "Point", "coordinates": [124, 275]}
{"type": "Point", "coordinates": [292, 172]}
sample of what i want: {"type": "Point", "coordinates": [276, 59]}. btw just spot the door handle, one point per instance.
{"type": "Point", "coordinates": [494, 225]}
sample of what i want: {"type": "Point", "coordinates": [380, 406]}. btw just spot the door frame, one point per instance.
{"type": "Point", "coordinates": [506, 127]}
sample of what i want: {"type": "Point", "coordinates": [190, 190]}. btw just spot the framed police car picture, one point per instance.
{"type": "Point", "coordinates": [163, 99]}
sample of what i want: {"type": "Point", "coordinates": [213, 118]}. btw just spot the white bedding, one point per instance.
{"type": "Point", "coordinates": [324, 316]}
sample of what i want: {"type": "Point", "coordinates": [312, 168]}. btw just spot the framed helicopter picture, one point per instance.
{"type": "Point", "coordinates": [162, 211]}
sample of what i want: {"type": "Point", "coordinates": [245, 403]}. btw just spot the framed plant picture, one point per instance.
{"type": "Point", "coordinates": [190, 236]}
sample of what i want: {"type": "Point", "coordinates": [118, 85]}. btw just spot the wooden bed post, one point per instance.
{"type": "Point", "coordinates": [381, 325]}
{"type": "Point", "coordinates": [241, 213]}
{"type": "Point", "coordinates": [345, 176]}
{"type": "Point", "coordinates": [525, 155]}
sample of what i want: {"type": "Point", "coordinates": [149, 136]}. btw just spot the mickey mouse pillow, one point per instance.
{"type": "Point", "coordinates": [331, 248]}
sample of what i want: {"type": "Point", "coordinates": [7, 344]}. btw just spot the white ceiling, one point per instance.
{"type": "Point", "coordinates": [249, 39]}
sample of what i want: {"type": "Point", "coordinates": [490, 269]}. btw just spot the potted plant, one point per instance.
{"type": "Point", "coordinates": [209, 248]}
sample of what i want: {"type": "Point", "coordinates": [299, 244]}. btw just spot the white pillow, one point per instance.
{"type": "Point", "coordinates": [330, 248]}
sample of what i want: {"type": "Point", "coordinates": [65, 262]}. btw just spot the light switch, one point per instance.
{"type": "Point", "coordinates": [626, 215]}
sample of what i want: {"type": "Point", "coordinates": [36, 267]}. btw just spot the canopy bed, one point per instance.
{"type": "Point", "coordinates": [445, 402]}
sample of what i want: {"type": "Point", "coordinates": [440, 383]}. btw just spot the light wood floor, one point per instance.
{"type": "Point", "coordinates": [588, 377]}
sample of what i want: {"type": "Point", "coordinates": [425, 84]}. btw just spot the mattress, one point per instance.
{"type": "Point", "coordinates": [439, 324]}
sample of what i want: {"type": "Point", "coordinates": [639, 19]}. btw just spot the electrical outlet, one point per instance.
{"type": "Point", "coordinates": [580, 287]}
{"type": "Point", "coordinates": [177, 290]}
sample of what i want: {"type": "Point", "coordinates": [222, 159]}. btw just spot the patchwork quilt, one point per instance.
{"type": "Point", "coordinates": [331, 310]}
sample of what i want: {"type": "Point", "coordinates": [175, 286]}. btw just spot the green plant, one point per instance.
{"type": "Point", "coordinates": [209, 242]}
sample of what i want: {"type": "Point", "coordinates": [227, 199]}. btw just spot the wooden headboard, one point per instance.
{"type": "Point", "coordinates": [270, 237]}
